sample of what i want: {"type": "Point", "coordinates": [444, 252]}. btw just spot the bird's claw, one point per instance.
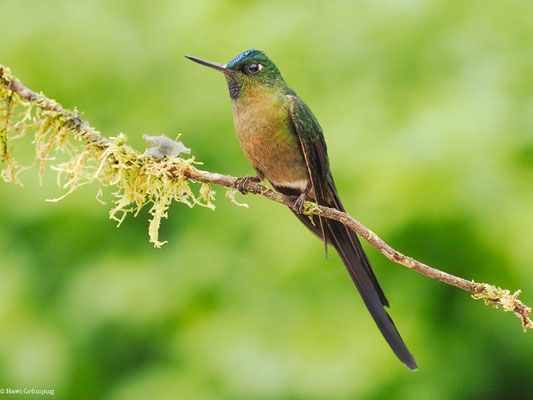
{"type": "Point", "coordinates": [298, 205]}
{"type": "Point", "coordinates": [242, 182]}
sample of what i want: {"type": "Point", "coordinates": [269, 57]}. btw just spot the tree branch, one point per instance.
{"type": "Point", "coordinates": [183, 170]}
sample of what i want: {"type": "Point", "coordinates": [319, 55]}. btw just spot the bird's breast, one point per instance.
{"type": "Point", "coordinates": [264, 132]}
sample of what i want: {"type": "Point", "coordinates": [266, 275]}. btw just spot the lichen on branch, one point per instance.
{"type": "Point", "coordinates": [156, 179]}
{"type": "Point", "coordinates": [139, 179]}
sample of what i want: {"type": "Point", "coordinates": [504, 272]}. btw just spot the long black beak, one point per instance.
{"type": "Point", "coordinates": [219, 67]}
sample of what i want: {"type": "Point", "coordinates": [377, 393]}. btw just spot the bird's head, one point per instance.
{"type": "Point", "coordinates": [250, 68]}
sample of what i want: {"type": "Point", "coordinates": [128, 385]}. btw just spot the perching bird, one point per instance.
{"type": "Point", "coordinates": [284, 142]}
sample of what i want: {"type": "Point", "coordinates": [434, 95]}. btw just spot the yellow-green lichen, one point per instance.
{"type": "Point", "coordinates": [138, 179]}
{"type": "Point", "coordinates": [498, 297]}
{"type": "Point", "coordinates": [231, 193]}
{"type": "Point", "coordinates": [311, 208]}
{"type": "Point", "coordinates": [494, 296]}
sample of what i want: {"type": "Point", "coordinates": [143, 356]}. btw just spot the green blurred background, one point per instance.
{"type": "Point", "coordinates": [427, 108]}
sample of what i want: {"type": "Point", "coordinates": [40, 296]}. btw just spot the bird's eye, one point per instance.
{"type": "Point", "coordinates": [253, 68]}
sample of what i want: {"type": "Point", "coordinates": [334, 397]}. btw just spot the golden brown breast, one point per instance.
{"type": "Point", "coordinates": [262, 123]}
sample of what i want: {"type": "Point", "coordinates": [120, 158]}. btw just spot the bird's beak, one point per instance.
{"type": "Point", "coordinates": [219, 67]}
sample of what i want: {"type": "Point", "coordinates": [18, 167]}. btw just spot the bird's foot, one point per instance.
{"type": "Point", "coordinates": [298, 205]}
{"type": "Point", "coordinates": [241, 183]}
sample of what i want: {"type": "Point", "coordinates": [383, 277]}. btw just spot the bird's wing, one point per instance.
{"type": "Point", "coordinates": [305, 125]}
{"type": "Point", "coordinates": [311, 138]}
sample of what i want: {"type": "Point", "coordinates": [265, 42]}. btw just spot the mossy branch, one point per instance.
{"type": "Point", "coordinates": [141, 179]}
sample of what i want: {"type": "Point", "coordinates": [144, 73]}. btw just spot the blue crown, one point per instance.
{"type": "Point", "coordinates": [241, 56]}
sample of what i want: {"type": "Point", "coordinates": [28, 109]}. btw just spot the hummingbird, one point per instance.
{"type": "Point", "coordinates": [285, 144]}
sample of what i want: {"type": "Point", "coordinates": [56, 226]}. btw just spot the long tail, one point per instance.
{"type": "Point", "coordinates": [352, 254]}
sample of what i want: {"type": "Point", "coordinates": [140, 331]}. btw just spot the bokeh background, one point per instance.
{"type": "Point", "coordinates": [427, 108]}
